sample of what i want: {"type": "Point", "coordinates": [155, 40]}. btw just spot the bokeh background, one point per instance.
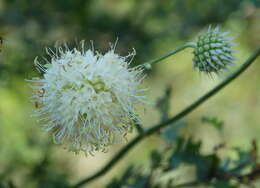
{"type": "Point", "coordinates": [152, 27]}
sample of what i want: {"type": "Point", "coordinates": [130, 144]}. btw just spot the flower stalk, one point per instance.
{"type": "Point", "coordinates": [149, 64]}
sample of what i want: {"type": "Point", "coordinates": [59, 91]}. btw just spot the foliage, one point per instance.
{"type": "Point", "coordinates": [44, 173]}
{"type": "Point", "coordinates": [210, 169]}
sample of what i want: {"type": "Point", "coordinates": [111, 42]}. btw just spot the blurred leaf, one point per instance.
{"type": "Point", "coordinates": [225, 164]}
{"type": "Point", "coordinates": [122, 181]}
{"type": "Point", "coordinates": [171, 133]}
{"type": "Point", "coordinates": [244, 160]}
{"type": "Point", "coordinates": [243, 155]}
{"type": "Point", "coordinates": [223, 184]}
{"type": "Point", "coordinates": [163, 104]}
{"type": "Point", "coordinates": [156, 159]}
{"type": "Point", "coordinates": [215, 122]}
{"type": "Point", "coordinates": [188, 152]}
{"type": "Point", "coordinates": [47, 173]}
{"type": "Point", "coordinates": [8, 184]}
{"type": "Point", "coordinates": [130, 178]}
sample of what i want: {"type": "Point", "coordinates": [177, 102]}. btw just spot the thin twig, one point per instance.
{"type": "Point", "coordinates": [170, 53]}
{"type": "Point", "coordinates": [177, 117]}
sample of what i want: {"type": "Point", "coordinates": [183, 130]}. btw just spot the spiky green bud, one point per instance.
{"type": "Point", "coordinates": [212, 52]}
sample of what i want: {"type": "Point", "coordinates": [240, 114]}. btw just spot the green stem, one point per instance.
{"type": "Point", "coordinates": [139, 128]}
{"type": "Point", "coordinates": [156, 60]}
{"type": "Point", "coordinates": [177, 117]}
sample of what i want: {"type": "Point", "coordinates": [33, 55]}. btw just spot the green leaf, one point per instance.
{"type": "Point", "coordinates": [244, 160]}
{"type": "Point", "coordinates": [171, 133]}
{"type": "Point", "coordinates": [130, 178]}
{"type": "Point", "coordinates": [185, 152]}
{"type": "Point", "coordinates": [163, 104]}
{"type": "Point", "coordinates": [123, 180]}
{"type": "Point", "coordinates": [223, 184]}
{"type": "Point", "coordinates": [188, 152]}
{"type": "Point", "coordinates": [215, 122]}
{"type": "Point", "coordinates": [156, 159]}
{"type": "Point", "coordinates": [225, 164]}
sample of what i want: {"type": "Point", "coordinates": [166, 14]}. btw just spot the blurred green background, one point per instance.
{"type": "Point", "coordinates": [152, 27]}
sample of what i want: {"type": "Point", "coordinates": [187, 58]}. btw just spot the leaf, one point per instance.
{"type": "Point", "coordinates": [185, 152]}
{"type": "Point", "coordinates": [163, 104]}
{"type": "Point", "coordinates": [218, 124]}
{"type": "Point", "coordinates": [244, 160]}
{"type": "Point", "coordinates": [156, 159]}
{"type": "Point", "coordinates": [188, 152]}
{"type": "Point", "coordinates": [171, 133]}
{"type": "Point", "coordinates": [223, 184]}
{"type": "Point", "coordinates": [140, 182]}
{"type": "Point", "coordinates": [130, 178]}
{"type": "Point", "coordinates": [123, 180]}
{"type": "Point", "coordinates": [225, 164]}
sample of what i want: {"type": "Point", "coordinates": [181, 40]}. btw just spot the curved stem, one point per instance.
{"type": "Point", "coordinates": [177, 117]}
{"type": "Point", "coordinates": [148, 64]}
{"type": "Point", "coordinates": [139, 128]}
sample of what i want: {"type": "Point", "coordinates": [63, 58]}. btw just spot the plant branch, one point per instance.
{"type": "Point", "coordinates": [139, 128]}
{"type": "Point", "coordinates": [177, 117]}
{"type": "Point", "coordinates": [148, 64]}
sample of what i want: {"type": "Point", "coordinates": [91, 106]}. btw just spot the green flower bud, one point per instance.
{"type": "Point", "coordinates": [212, 52]}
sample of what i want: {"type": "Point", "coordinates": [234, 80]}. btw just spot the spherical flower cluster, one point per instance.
{"type": "Point", "coordinates": [213, 52]}
{"type": "Point", "coordinates": [87, 100]}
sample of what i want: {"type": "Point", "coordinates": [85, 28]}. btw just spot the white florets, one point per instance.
{"type": "Point", "coordinates": [87, 100]}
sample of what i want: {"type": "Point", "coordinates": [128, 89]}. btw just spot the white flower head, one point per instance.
{"type": "Point", "coordinates": [87, 100]}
